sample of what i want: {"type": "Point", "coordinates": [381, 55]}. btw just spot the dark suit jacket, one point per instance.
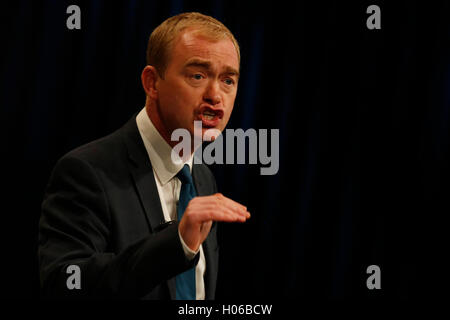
{"type": "Point", "coordinates": [102, 212]}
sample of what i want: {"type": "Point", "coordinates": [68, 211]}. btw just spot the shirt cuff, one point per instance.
{"type": "Point", "coordinates": [190, 254]}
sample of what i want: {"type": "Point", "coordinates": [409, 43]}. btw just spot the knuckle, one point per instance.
{"type": "Point", "coordinates": [187, 213]}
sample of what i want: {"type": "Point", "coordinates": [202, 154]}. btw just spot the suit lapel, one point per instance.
{"type": "Point", "coordinates": [142, 172]}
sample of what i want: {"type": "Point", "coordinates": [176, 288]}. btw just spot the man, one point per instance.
{"type": "Point", "coordinates": [120, 218]}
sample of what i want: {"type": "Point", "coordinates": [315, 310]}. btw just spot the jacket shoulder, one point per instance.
{"type": "Point", "coordinates": [97, 150]}
{"type": "Point", "coordinates": [104, 151]}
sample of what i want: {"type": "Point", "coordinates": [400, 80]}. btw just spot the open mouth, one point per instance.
{"type": "Point", "coordinates": [210, 117]}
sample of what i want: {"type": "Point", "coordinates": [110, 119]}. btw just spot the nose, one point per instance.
{"type": "Point", "coordinates": [212, 94]}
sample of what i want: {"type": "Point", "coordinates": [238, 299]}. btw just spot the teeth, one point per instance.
{"type": "Point", "coordinates": [208, 115]}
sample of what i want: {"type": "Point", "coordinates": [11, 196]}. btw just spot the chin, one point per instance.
{"type": "Point", "coordinates": [210, 134]}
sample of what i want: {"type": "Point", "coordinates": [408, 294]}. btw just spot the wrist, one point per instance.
{"type": "Point", "coordinates": [190, 254]}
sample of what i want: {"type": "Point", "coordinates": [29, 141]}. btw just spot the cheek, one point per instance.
{"type": "Point", "coordinates": [180, 96]}
{"type": "Point", "coordinates": [171, 100]}
{"type": "Point", "coordinates": [178, 109]}
{"type": "Point", "coordinates": [229, 107]}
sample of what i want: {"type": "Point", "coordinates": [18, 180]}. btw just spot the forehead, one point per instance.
{"type": "Point", "coordinates": [192, 44]}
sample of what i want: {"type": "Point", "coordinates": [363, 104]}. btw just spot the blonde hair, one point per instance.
{"type": "Point", "coordinates": [161, 40]}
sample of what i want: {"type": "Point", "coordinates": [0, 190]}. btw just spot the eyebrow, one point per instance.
{"type": "Point", "coordinates": [207, 65]}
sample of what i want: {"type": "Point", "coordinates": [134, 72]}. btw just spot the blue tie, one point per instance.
{"type": "Point", "coordinates": [185, 282]}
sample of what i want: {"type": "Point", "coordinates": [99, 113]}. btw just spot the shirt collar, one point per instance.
{"type": "Point", "coordinates": [159, 151]}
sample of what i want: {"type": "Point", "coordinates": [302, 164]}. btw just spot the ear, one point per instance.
{"type": "Point", "coordinates": [149, 77]}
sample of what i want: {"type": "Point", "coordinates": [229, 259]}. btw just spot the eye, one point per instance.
{"type": "Point", "coordinates": [197, 76]}
{"type": "Point", "coordinates": [229, 81]}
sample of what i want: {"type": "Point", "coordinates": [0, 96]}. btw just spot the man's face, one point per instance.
{"type": "Point", "coordinates": [200, 83]}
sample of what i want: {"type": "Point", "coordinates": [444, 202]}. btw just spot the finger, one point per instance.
{"type": "Point", "coordinates": [233, 205]}
{"type": "Point", "coordinates": [214, 213]}
{"type": "Point", "coordinates": [225, 213]}
{"type": "Point", "coordinates": [238, 209]}
{"type": "Point", "coordinates": [218, 202]}
{"type": "Point", "coordinates": [240, 217]}
{"type": "Point", "coordinates": [231, 202]}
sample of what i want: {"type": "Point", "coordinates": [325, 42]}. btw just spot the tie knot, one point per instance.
{"type": "Point", "coordinates": [185, 175]}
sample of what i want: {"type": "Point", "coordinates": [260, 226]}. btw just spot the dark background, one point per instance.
{"type": "Point", "coordinates": [364, 134]}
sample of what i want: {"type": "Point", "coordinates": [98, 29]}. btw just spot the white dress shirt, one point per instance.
{"type": "Point", "coordinates": [169, 186]}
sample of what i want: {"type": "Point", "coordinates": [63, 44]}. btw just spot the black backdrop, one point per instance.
{"type": "Point", "coordinates": [364, 133]}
